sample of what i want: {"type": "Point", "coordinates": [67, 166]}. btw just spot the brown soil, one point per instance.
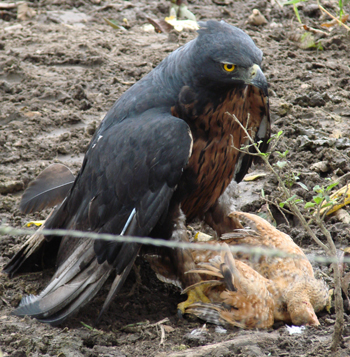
{"type": "Point", "coordinates": [56, 83]}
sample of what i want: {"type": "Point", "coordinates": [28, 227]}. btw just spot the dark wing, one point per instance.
{"type": "Point", "coordinates": [133, 166]}
{"type": "Point", "coordinates": [48, 189]}
{"type": "Point", "coordinates": [125, 185]}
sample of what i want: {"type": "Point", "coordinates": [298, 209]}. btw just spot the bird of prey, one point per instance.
{"type": "Point", "coordinates": [295, 293]}
{"type": "Point", "coordinates": [163, 155]}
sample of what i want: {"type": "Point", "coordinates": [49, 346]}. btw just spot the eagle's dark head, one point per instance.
{"type": "Point", "coordinates": [223, 54]}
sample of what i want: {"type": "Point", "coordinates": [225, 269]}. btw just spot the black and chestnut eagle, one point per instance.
{"type": "Point", "coordinates": [162, 156]}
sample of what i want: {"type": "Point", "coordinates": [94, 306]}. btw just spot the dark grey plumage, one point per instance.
{"type": "Point", "coordinates": [48, 189]}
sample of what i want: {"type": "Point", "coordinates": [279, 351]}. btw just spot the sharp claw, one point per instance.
{"type": "Point", "coordinates": [180, 314]}
{"type": "Point", "coordinates": [181, 308]}
{"type": "Point", "coordinates": [194, 295]}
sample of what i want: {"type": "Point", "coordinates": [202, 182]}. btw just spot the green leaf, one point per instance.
{"type": "Point", "coordinates": [282, 155]}
{"type": "Point", "coordinates": [307, 40]}
{"type": "Point", "coordinates": [281, 204]}
{"type": "Point", "coordinates": [317, 188]}
{"type": "Point", "coordinates": [262, 193]}
{"type": "Point", "coordinates": [309, 204]}
{"type": "Point", "coordinates": [302, 186]}
{"type": "Point", "coordinates": [296, 12]}
{"type": "Point", "coordinates": [114, 24]}
{"type": "Point", "coordinates": [299, 200]}
{"type": "Point", "coordinates": [291, 198]}
{"type": "Point", "coordinates": [317, 199]}
{"type": "Point", "coordinates": [332, 185]}
{"type": "Point", "coordinates": [293, 2]}
{"type": "Point", "coordinates": [87, 326]}
{"type": "Point", "coordinates": [341, 8]}
{"type": "Point", "coordinates": [275, 136]}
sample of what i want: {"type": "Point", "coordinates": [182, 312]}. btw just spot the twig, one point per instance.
{"type": "Point", "coordinates": [333, 17]}
{"type": "Point", "coordinates": [279, 4]}
{"type": "Point", "coordinates": [281, 209]}
{"type": "Point", "coordinates": [7, 6]}
{"type": "Point", "coordinates": [268, 209]}
{"type": "Point", "coordinates": [5, 301]}
{"type": "Point", "coordinates": [162, 335]}
{"type": "Point", "coordinates": [338, 300]}
{"type": "Point", "coordinates": [139, 326]}
{"type": "Point", "coordinates": [255, 338]}
{"type": "Point", "coordinates": [330, 249]}
{"type": "Point", "coordinates": [292, 205]}
{"type": "Point", "coordinates": [159, 322]}
{"type": "Point", "coordinates": [325, 275]}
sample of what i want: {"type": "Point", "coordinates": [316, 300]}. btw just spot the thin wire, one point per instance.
{"type": "Point", "coordinates": [255, 251]}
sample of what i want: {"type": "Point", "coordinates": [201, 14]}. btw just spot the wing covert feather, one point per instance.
{"type": "Point", "coordinates": [136, 163]}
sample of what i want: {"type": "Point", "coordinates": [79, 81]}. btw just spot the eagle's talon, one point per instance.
{"type": "Point", "coordinates": [194, 295]}
{"type": "Point", "coordinates": [180, 314]}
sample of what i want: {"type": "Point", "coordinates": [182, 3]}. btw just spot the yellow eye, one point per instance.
{"type": "Point", "coordinates": [228, 67]}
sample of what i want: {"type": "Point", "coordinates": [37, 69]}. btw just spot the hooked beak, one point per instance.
{"type": "Point", "coordinates": [257, 79]}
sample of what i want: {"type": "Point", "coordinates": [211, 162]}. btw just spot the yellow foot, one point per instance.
{"type": "Point", "coordinates": [194, 295]}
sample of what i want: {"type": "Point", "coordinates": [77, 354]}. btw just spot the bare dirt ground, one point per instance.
{"type": "Point", "coordinates": [57, 80]}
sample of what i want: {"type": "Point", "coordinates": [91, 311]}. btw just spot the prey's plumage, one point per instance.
{"type": "Point", "coordinates": [276, 289]}
{"type": "Point", "coordinates": [167, 144]}
{"type": "Point", "coordinates": [242, 299]}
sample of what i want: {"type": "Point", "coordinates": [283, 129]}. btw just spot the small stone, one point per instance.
{"type": "Point", "coordinates": [63, 149]}
{"type": "Point", "coordinates": [252, 351]}
{"type": "Point", "coordinates": [10, 187]}
{"type": "Point", "coordinates": [83, 145]}
{"type": "Point", "coordinates": [338, 172]}
{"type": "Point", "coordinates": [284, 109]}
{"type": "Point", "coordinates": [316, 100]}
{"type": "Point", "coordinates": [13, 27]}
{"type": "Point", "coordinates": [257, 18]}
{"type": "Point", "coordinates": [220, 329]}
{"type": "Point", "coordinates": [91, 128]}
{"type": "Point", "coordinates": [321, 166]}
{"type": "Point", "coordinates": [199, 334]}
{"type": "Point", "coordinates": [173, 36]}
{"type": "Point", "coordinates": [64, 137]}
{"type": "Point", "coordinates": [312, 10]}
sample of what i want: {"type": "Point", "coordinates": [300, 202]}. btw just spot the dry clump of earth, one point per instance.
{"type": "Point", "coordinates": [62, 67]}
